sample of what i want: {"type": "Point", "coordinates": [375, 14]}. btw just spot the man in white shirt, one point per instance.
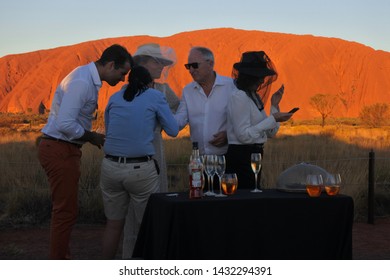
{"type": "Point", "coordinates": [67, 129]}
{"type": "Point", "coordinates": [204, 103]}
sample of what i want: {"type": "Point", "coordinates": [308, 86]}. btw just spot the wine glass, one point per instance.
{"type": "Point", "coordinates": [332, 184]}
{"type": "Point", "coordinates": [256, 165]}
{"type": "Point", "coordinates": [210, 171]}
{"type": "Point", "coordinates": [229, 183]}
{"type": "Point", "coordinates": [314, 184]}
{"type": "Point", "coordinates": [220, 166]}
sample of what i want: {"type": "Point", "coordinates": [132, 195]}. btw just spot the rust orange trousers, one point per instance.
{"type": "Point", "coordinates": [61, 162]}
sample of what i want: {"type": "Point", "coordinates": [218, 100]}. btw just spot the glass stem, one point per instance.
{"type": "Point", "coordinates": [256, 181]}
{"type": "Point", "coordinates": [259, 176]}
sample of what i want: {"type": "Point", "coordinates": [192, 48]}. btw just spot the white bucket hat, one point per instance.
{"type": "Point", "coordinates": [165, 55]}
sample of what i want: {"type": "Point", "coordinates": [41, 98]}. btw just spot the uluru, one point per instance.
{"type": "Point", "coordinates": [307, 65]}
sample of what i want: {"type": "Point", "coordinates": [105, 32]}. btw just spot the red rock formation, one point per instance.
{"type": "Point", "coordinates": [307, 65]}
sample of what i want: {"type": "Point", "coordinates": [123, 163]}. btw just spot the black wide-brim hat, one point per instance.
{"type": "Point", "coordinates": [255, 63]}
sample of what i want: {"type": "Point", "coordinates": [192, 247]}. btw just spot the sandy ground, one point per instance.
{"type": "Point", "coordinates": [370, 242]}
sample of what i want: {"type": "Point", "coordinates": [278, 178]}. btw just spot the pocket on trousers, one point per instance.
{"type": "Point", "coordinates": [157, 166]}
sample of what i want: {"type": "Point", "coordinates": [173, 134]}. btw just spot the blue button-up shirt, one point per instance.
{"type": "Point", "coordinates": [130, 125]}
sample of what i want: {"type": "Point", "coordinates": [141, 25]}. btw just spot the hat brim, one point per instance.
{"type": "Point", "coordinates": [254, 71]}
{"type": "Point", "coordinates": [159, 58]}
{"type": "Point", "coordinates": [164, 61]}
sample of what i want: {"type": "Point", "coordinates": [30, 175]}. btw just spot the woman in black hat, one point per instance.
{"type": "Point", "coordinates": [249, 127]}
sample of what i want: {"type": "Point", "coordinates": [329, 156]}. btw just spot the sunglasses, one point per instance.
{"type": "Point", "coordinates": [194, 65]}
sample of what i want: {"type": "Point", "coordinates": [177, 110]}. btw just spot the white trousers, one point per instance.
{"type": "Point", "coordinates": [127, 186]}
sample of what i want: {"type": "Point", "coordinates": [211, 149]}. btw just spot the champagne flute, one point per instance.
{"type": "Point", "coordinates": [210, 171]}
{"type": "Point", "coordinates": [256, 165]}
{"type": "Point", "coordinates": [220, 170]}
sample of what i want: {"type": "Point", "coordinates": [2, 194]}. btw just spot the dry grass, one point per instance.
{"type": "Point", "coordinates": [24, 196]}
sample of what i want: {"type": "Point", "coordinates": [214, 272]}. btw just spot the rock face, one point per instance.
{"type": "Point", "coordinates": [307, 65]}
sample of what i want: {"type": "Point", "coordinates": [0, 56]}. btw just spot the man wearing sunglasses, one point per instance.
{"type": "Point", "coordinates": [204, 103]}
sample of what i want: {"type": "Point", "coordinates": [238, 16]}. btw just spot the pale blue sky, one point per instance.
{"type": "Point", "coordinates": [30, 25]}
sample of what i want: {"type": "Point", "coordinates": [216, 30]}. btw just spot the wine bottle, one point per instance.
{"type": "Point", "coordinates": [195, 169]}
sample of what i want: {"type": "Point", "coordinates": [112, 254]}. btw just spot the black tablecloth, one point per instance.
{"type": "Point", "coordinates": [269, 225]}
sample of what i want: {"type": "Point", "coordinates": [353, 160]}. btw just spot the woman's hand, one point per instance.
{"type": "Point", "coordinates": [277, 97]}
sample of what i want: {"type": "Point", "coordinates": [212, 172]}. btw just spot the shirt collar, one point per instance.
{"type": "Point", "coordinates": [95, 75]}
{"type": "Point", "coordinates": [218, 81]}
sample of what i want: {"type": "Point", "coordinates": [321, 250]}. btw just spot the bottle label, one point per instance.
{"type": "Point", "coordinates": [196, 175]}
{"type": "Point", "coordinates": [196, 184]}
{"type": "Point", "coordinates": [195, 169]}
{"type": "Point", "coordinates": [196, 181]}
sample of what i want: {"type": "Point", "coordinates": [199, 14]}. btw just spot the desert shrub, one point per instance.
{"type": "Point", "coordinates": [24, 190]}
{"type": "Point", "coordinates": [324, 104]}
{"type": "Point", "coordinates": [27, 205]}
{"type": "Point", "coordinates": [375, 115]}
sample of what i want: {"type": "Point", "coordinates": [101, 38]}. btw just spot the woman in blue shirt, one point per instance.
{"type": "Point", "coordinates": [128, 172]}
{"type": "Point", "coordinates": [158, 60]}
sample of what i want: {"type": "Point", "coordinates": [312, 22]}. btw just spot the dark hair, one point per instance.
{"type": "Point", "coordinates": [116, 53]}
{"type": "Point", "coordinates": [244, 82]}
{"type": "Point", "coordinates": [139, 80]}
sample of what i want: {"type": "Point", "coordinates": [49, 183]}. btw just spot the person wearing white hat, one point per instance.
{"type": "Point", "coordinates": [158, 60]}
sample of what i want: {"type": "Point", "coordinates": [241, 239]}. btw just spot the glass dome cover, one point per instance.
{"type": "Point", "coordinates": [293, 179]}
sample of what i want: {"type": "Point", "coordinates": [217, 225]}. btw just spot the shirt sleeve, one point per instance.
{"type": "Point", "coordinates": [172, 99]}
{"type": "Point", "coordinates": [181, 115]}
{"type": "Point", "coordinates": [72, 101]}
{"type": "Point", "coordinates": [166, 118]}
{"type": "Point", "coordinates": [239, 109]}
{"type": "Point", "coordinates": [272, 132]}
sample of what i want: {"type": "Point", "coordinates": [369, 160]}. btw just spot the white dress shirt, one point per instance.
{"type": "Point", "coordinates": [74, 104]}
{"type": "Point", "coordinates": [246, 123]}
{"type": "Point", "coordinates": [206, 115]}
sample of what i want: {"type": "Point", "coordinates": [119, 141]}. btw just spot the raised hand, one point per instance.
{"type": "Point", "coordinates": [277, 97]}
